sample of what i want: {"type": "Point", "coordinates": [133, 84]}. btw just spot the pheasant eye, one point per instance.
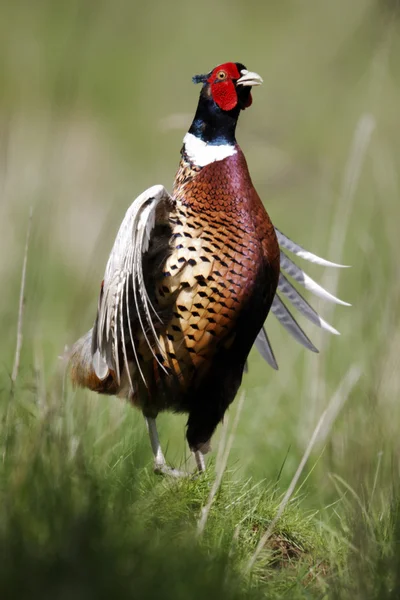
{"type": "Point", "coordinates": [221, 75]}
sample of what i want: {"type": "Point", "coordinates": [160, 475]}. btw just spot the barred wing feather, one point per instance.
{"type": "Point", "coordinates": [123, 295]}
{"type": "Point", "coordinates": [291, 294]}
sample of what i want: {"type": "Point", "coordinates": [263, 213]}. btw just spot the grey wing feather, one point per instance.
{"type": "Point", "coordinates": [305, 280]}
{"type": "Point", "coordinates": [124, 278]}
{"type": "Point", "coordinates": [286, 319]}
{"type": "Point", "coordinates": [288, 244]}
{"type": "Point", "coordinates": [263, 345]}
{"type": "Point", "coordinates": [290, 293]}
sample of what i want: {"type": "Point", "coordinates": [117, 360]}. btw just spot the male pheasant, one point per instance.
{"type": "Point", "coordinates": [191, 279]}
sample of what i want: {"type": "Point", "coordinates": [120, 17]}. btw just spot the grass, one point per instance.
{"type": "Point", "coordinates": [95, 101]}
{"type": "Point", "coordinates": [78, 523]}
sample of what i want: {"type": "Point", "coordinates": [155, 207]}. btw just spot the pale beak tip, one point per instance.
{"type": "Point", "coordinates": [250, 79]}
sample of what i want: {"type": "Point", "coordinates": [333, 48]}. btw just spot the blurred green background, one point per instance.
{"type": "Point", "coordinates": [95, 98]}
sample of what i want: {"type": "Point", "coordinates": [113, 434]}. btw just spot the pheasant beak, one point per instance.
{"type": "Point", "coordinates": [249, 79]}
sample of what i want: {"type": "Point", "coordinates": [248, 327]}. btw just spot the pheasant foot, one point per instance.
{"type": "Point", "coordinates": [160, 464]}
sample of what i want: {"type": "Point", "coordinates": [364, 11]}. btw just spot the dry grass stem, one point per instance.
{"type": "Point", "coordinates": [320, 434]}
{"type": "Point", "coordinates": [222, 459]}
{"type": "Point", "coordinates": [344, 207]}
{"type": "Point", "coordinates": [361, 140]}
{"type": "Point", "coordinates": [17, 356]}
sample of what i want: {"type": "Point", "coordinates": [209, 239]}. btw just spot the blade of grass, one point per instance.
{"type": "Point", "coordinates": [17, 356]}
{"type": "Point", "coordinates": [221, 466]}
{"type": "Point", "coordinates": [320, 433]}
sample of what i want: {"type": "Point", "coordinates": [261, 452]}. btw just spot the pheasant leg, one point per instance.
{"type": "Point", "coordinates": [160, 464]}
{"type": "Point", "coordinates": [199, 458]}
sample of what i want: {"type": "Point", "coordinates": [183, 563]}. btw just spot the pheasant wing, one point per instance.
{"type": "Point", "coordinates": [291, 294]}
{"type": "Point", "coordinates": [124, 302]}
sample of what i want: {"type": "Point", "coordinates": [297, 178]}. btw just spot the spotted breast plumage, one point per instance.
{"type": "Point", "coordinates": [191, 279]}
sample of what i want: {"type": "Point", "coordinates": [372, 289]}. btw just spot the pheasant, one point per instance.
{"type": "Point", "coordinates": [191, 279]}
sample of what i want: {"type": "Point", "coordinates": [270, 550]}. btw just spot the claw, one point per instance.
{"type": "Point", "coordinates": [164, 469]}
{"type": "Point", "coordinates": [160, 464]}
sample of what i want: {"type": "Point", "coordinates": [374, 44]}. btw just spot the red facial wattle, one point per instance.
{"type": "Point", "coordinates": [224, 92]}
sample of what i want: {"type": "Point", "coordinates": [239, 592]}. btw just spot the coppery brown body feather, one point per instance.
{"type": "Point", "coordinates": [224, 259]}
{"type": "Point", "coordinates": [221, 273]}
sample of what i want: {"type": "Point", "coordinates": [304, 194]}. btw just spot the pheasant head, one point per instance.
{"type": "Point", "coordinates": [225, 92]}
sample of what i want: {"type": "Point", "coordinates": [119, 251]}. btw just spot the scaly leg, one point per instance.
{"type": "Point", "coordinates": [199, 458]}
{"type": "Point", "coordinates": [160, 464]}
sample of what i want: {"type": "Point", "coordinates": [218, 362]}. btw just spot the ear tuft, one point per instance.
{"type": "Point", "coordinates": [199, 78]}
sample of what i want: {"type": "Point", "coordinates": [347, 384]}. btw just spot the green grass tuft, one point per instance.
{"type": "Point", "coordinates": [86, 524]}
